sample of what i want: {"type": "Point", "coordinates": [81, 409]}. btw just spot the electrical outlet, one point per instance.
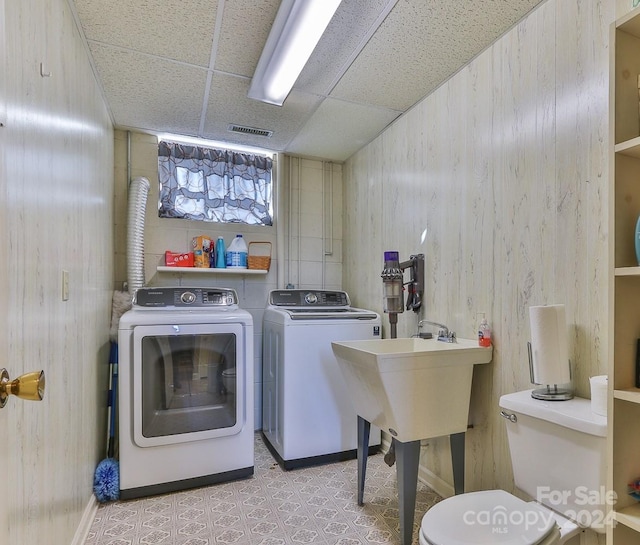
{"type": "Point", "coordinates": [65, 285]}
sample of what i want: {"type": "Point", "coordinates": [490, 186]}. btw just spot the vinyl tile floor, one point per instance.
{"type": "Point", "coordinates": [315, 505]}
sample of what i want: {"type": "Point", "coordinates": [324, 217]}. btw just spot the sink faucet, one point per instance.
{"type": "Point", "coordinates": [443, 331]}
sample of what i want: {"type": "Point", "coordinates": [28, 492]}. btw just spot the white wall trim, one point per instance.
{"type": "Point", "coordinates": [439, 486]}
{"type": "Point", "coordinates": [88, 516]}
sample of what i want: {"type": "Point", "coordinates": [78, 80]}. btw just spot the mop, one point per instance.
{"type": "Point", "coordinates": [106, 480]}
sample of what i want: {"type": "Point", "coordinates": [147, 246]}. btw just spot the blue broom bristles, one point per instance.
{"type": "Point", "coordinates": [106, 481]}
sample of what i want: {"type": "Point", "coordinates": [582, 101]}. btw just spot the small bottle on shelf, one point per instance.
{"type": "Point", "coordinates": [220, 259]}
{"type": "Point", "coordinates": [484, 333]}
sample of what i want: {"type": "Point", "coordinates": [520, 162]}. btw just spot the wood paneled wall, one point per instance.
{"type": "Point", "coordinates": [56, 147]}
{"type": "Point", "coordinates": [504, 167]}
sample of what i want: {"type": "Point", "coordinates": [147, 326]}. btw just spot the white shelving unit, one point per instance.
{"type": "Point", "coordinates": [624, 407]}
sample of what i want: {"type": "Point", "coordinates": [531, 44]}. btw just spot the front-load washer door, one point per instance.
{"type": "Point", "coordinates": [179, 391]}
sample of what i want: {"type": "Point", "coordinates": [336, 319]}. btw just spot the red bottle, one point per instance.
{"type": "Point", "coordinates": [484, 333]}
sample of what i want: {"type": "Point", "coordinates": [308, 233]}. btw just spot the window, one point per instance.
{"type": "Point", "coordinates": [215, 185]}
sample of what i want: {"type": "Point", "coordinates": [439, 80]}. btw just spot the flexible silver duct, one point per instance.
{"type": "Point", "coordinates": [138, 191]}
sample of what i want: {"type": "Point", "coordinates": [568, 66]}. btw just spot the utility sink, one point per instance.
{"type": "Point", "coordinates": [411, 388]}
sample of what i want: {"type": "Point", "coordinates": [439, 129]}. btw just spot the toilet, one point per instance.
{"type": "Point", "coordinates": [558, 455]}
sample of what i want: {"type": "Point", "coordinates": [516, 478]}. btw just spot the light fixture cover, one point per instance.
{"type": "Point", "coordinates": [296, 30]}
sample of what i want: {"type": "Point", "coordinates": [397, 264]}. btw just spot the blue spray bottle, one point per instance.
{"type": "Point", "coordinates": [220, 259]}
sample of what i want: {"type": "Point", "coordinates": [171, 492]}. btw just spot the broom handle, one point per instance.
{"type": "Point", "coordinates": [112, 426]}
{"type": "Point", "coordinates": [111, 403]}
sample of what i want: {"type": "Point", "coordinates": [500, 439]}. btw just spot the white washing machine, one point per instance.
{"type": "Point", "coordinates": [307, 414]}
{"type": "Point", "coordinates": [185, 390]}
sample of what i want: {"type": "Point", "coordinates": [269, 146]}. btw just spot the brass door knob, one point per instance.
{"type": "Point", "coordinates": [28, 386]}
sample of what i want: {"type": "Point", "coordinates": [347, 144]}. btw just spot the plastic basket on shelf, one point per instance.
{"type": "Point", "coordinates": [258, 261]}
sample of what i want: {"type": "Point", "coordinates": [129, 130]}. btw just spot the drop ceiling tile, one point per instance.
{"type": "Point", "coordinates": [421, 44]}
{"type": "Point", "coordinates": [245, 28]}
{"type": "Point", "coordinates": [338, 129]}
{"type": "Point", "coordinates": [150, 93]}
{"type": "Point", "coordinates": [228, 103]}
{"type": "Point", "coordinates": [181, 31]}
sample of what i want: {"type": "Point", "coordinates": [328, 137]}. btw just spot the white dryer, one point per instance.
{"type": "Point", "coordinates": [185, 390]}
{"type": "Point", "coordinates": [307, 414]}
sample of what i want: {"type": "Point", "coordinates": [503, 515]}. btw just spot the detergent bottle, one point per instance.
{"type": "Point", "coordinates": [237, 253]}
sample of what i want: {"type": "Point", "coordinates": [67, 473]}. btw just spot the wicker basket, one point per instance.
{"type": "Point", "coordinates": [261, 262]}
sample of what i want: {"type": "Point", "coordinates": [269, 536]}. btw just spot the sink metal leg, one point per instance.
{"type": "Point", "coordinates": [364, 427]}
{"type": "Point", "coordinates": [407, 460]}
{"type": "Point", "coordinates": [456, 441]}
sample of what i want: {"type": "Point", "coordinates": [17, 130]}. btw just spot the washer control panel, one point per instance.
{"type": "Point", "coordinates": [185, 297]}
{"type": "Point", "coordinates": [308, 298]}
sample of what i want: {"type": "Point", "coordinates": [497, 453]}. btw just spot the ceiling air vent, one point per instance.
{"type": "Point", "coordinates": [250, 130]}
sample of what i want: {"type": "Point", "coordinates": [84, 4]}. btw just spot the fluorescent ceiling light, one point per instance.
{"type": "Point", "coordinates": [294, 35]}
{"type": "Point", "coordinates": [196, 141]}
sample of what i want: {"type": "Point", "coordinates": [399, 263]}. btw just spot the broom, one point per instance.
{"type": "Point", "coordinates": [106, 480]}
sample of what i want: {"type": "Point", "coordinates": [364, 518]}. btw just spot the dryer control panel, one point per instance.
{"type": "Point", "coordinates": [185, 297]}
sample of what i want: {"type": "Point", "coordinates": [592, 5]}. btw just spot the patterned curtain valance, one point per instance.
{"type": "Point", "coordinates": [214, 185]}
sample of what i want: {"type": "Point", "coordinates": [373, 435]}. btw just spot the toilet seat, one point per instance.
{"type": "Point", "coordinates": [491, 517]}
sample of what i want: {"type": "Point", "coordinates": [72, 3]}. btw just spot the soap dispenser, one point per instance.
{"type": "Point", "coordinates": [484, 333]}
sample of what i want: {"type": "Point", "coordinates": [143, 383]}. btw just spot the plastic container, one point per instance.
{"type": "Point", "coordinates": [484, 333]}
{"type": "Point", "coordinates": [220, 262]}
{"type": "Point", "coordinates": [237, 252]}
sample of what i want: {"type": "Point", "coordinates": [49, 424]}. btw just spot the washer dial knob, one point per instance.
{"type": "Point", "coordinates": [188, 297]}
{"type": "Point", "coordinates": [311, 298]}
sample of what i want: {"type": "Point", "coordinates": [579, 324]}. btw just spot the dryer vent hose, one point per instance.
{"type": "Point", "coordinates": [138, 192]}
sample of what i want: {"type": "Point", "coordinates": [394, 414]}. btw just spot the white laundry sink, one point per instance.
{"type": "Point", "coordinates": [411, 388]}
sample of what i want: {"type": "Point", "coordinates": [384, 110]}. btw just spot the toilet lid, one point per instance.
{"type": "Point", "coordinates": [491, 517]}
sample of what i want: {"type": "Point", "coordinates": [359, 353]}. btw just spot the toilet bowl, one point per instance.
{"type": "Point", "coordinates": [558, 450]}
{"type": "Point", "coordinates": [229, 380]}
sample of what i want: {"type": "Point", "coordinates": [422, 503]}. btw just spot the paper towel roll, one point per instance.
{"type": "Point", "coordinates": [599, 395]}
{"type": "Point", "coordinates": [549, 345]}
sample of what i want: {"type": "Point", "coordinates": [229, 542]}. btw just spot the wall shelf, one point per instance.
{"type": "Point", "coordinates": [198, 270]}
{"type": "Point", "coordinates": [627, 271]}
{"type": "Point", "coordinates": [628, 394]}
{"type": "Point", "coordinates": [629, 147]}
{"type": "Point", "coordinates": [629, 516]}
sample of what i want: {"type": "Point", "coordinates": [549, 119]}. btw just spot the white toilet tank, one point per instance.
{"type": "Point", "coordinates": [558, 454]}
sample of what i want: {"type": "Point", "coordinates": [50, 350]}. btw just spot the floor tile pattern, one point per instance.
{"type": "Point", "coordinates": [315, 505]}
